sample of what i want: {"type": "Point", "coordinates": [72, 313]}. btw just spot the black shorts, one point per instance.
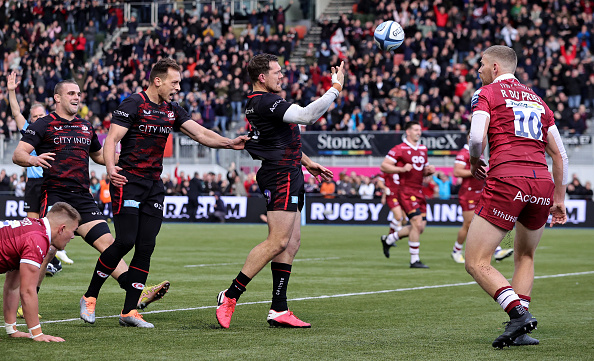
{"type": "Point", "coordinates": [283, 188]}
{"type": "Point", "coordinates": [33, 195]}
{"type": "Point", "coordinates": [138, 195]}
{"type": "Point", "coordinates": [83, 202]}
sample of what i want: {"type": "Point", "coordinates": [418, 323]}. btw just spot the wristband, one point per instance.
{"type": "Point", "coordinates": [35, 334]}
{"type": "Point", "coordinates": [335, 80]}
{"type": "Point", "coordinates": [10, 328]}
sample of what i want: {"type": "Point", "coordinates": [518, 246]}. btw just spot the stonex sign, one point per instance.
{"type": "Point", "coordinates": [377, 144]}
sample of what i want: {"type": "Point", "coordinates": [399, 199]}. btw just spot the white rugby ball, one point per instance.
{"type": "Point", "coordinates": [388, 35]}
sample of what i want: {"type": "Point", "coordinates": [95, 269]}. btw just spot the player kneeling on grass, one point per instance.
{"type": "Point", "coordinates": [23, 246]}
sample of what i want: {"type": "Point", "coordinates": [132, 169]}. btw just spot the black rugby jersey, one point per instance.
{"type": "Point", "coordinates": [271, 140]}
{"type": "Point", "coordinates": [72, 142]}
{"type": "Point", "coordinates": [148, 125]}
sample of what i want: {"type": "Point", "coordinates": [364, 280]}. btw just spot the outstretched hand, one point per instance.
{"type": "Point", "coordinates": [11, 83]}
{"type": "Point", "coordinates": [315, 169]}
{"type": "Point", "coordinates": [48, 338]}
{"type": "Point", "coordinates": [239, 142]}
{"type": "Point", "coordinates": [338, 74]}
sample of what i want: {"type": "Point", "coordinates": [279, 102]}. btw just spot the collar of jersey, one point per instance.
{"type": "Point", "coordinates": [505, 76]}
{"type": "Point", "coordinates": [410, 144]}
{"type": "Point", "coordinates": [48, 229]}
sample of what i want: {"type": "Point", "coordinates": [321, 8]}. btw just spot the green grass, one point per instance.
{"type": "Point", "coordinates": [355, 322]}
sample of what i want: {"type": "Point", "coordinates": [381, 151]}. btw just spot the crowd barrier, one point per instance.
{"type": "Point", "coordinates": [317, 210]}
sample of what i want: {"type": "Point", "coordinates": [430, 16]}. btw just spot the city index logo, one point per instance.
{"type": "Point", "coordinates": [527, 198]}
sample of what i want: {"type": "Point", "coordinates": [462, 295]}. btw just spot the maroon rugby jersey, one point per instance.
{"type": "Point", "coordinates": [518, 128]}
{"type": "Point", "coordinates": [469, 184]}
{"type": "Point", "coordinates": [24, 241]}
{"type": "Point", "coordinates": [72, 142]}
{"type": "Point", "coordinates": [391, 181]}
{"type": "Point", "coordinates": [271, 140]}
{"type": "Point", "coordinates": [404, 153]}
{"type": "Point", "coordinates": [149, 125]}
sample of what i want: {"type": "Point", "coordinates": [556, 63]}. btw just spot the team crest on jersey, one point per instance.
{"type": "Point", "coordinates": [58, 128]}
{"type": "Point", "coordinates": [84, 127]}
{"type": "Point", "coordinates": [475, 98]}
{"type": "Point", "coordinates": [171, 115]}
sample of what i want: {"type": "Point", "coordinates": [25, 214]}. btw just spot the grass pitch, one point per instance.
{"type": "Point", "coordinates": [362, 306]}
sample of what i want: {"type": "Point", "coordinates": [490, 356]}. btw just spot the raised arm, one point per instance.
{"type": "Point", "coordinates": [11, 85]}
{"type": "Point", "coordinates": [211, 139]}
{"type": "Point", "coordinates": [311, 113]}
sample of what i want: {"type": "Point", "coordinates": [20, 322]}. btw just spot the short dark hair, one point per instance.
{"type": "Point", "coordinates": [63, 209]}
{"type": "Point", "coordinates": [260, 64]}
{"type": "Point", "coordinates": [60, 85]}
{"type": "Point", "coordinates": [161, 68]}
{"type": "Point", "coordinates": [409, 125]}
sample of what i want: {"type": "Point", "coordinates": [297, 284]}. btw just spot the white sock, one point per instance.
{"type": "Point", "coordinates": [457, 247]}
{"type": "Point", "coordinates": [413, 249]}
{"type": "Point", "coordinates": [392, 238]}
{"type": "Point", "coordinates": [498, 249]}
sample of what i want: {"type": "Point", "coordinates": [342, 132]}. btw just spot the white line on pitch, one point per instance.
{"type": "Point", "coordinates": [229, 264]}
{"type": "Point", "coordinates": [332, 296]}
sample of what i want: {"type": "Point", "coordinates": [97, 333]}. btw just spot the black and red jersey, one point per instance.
{"type": "Point", "coordinates": [72, 141]}
{"type": "Point", "coordinates": [149, 125]}
{"type": "Point", "coordinates": [272, 140]}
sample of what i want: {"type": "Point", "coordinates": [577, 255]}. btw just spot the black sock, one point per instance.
{"type": "Point", "coordinates": [99, 276]}
{"type": "Point", "coordinates": [516, 312]}
{"type": "Point", "coordinates": [123, 281]}
{"type": "Point", "coordinates": [238, 286]}
{"type": "Point", "coordinates": [135, 277]}
{"type": "Point", "coordinates": [37, 289]}
{"type": "Point", "coordinates": [280, 280]}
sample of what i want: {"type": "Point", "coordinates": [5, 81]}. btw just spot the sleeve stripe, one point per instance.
{"type": "Point", "coordinates": [28, 261]}
{"type": "Point", "coordinates": [460, 162]}
{"type": "Point", "coordinates": [392, 159]}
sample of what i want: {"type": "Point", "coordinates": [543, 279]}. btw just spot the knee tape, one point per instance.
{"type": "Point", "coordinates": [97, 232]}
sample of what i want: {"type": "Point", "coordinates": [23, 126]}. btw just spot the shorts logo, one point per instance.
{"type": "Point", "coordinates": [504, 216]}
{"type": "Point", "coordinates": [294, 199]}
{"type": "Point", "coordinates": [96, 213]}
{"type": "Point", "coordinates": [138, 286]}
{"type": "Point", "coordinates": [268, 195]}
{"type": "Point", "coordinates": [131, 203]}
{"type": "Point", "coordinates": [527, 198]}
{"type": "Point", "coordinates": [158, 206]}
{"type": "Point", "coordinates": [102, 275]}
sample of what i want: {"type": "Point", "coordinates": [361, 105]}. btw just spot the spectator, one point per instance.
{"type": "Point", "coordinates": [444, 184]}
{"type": "Point", "coordinates": [328, 189]}
{"type": "Point", "coordinates": [366, 189]}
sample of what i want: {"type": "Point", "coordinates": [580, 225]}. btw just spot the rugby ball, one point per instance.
{"type": "Point", "coordinates": [388, 35]}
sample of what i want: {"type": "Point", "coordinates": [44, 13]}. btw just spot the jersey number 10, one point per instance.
{"type": "Point", "coordinates": [527, 124]}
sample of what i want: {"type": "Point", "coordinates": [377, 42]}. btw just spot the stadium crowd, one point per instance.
{"type": "Point", "coordinates": [430, 78]}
